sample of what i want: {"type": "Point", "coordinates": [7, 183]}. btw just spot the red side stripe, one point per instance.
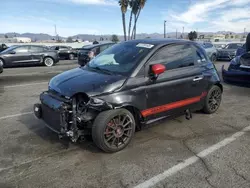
{"type": "Point", "coordinates": [174, 105]}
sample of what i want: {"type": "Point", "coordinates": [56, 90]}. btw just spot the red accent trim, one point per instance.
{"type": "Point", "coordinates": [174, 105]}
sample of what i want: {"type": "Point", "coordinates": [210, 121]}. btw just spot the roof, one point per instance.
{"type": "Point", "coordinates": [159, 41]}
{"type": "Point", "coordinates": [95, 45]}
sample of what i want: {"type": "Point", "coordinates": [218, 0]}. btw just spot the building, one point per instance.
{"type": "Point", "coordinates": [23, 39]}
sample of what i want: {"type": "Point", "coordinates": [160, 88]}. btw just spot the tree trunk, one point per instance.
{"type": "Point", "coordinates": [124, 26]}
{"type": "Point", "coordinates": [134, 29]}
{"type": "Point", "coordinates": [130, 24]}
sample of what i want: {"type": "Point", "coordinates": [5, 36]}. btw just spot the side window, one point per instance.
{"type": "Point", "coordinates": [63, 48]}
{"type": "Point", "coordinates": [175, 56]}
{"type": "Point", "coordinates": [96, 50]}
{"type": "Point", "coordinates": [36, 49]}
{"type": "Point", "coordinates": [104, 47]}
{"type": "Point", "coordinates": [21, 49]}
{"type": "Point", "coordinates": [199, 56]}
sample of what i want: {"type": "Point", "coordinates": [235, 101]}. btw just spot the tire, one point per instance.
{"type": "Point", "coordinates": [1, 60]}
{"type": "Point", "coordinates": [110, 135]}
{"type": "Point", "coordinates": [71, 56]}
{"type": "Point", "coordinates": [213, 100]}
{"type": "Point", "coordinates": [213, 58]}
{"type": "Point", "coordinates": [48, 61]}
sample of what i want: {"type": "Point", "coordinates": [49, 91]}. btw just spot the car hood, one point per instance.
{"type": "Point", "coordinates": [81, 80]}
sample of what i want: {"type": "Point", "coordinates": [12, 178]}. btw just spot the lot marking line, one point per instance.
{"type": "Point", "coordinates": [175, 169]}
{"type": "Point", "coordinates": [21, 85]}
{"type": "Point", "coordinates": [33, 73]}
{"type": "Point", "coordinates": [15, 115]}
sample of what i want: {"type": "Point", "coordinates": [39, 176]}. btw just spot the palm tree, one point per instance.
{"type": "Point", "coordinates": [124, 6]}
{"type": "Point", "coordinates": [138, 6]}
{"type": "Point", "coordinates": [131, 4]}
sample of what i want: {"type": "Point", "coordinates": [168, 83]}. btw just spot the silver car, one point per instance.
{"type": "Point", "coordinates": [210, 50]}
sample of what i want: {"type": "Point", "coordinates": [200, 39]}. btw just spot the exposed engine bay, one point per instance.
{"type": "Point", "coordinates": [73, 117]}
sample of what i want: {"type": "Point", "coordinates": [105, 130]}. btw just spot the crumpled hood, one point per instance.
{"type": "Point", "coordinates": [80, 80]}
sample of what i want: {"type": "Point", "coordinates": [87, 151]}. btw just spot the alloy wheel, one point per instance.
{"type": "Point", "coordinates": [214, 100]}
{"type": "Point", "coordinates": [118, 131]}
{"type": "Point", "coordinates": [49, 62]}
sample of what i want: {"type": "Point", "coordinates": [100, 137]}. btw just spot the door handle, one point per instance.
{"type": "Point", "coordinates": [198, 78]}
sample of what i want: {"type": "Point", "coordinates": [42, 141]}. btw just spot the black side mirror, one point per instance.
{"type": "Point", "coordinates": [12, 52]}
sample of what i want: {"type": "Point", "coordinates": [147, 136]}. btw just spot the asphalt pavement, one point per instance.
{"type": "Point", "coordinates": [206, 151]}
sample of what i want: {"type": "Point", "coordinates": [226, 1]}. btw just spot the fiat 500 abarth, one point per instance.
{"type": "Point", "coordinates": [127, 86]}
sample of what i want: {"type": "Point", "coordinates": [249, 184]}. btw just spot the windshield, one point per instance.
{"type": "Point", "coordinates": [121, 58]}
{"type": "Point", "coordinates": [9, 49]}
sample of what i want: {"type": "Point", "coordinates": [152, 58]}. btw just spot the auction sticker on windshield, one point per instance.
{"type": "Point", "coordinates": [142, 45]}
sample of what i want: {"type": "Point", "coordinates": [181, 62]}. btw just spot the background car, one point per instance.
{"type": "Point", "coordinates": [3, 47]}
{"type": "Point", "coordinates": [1, 67]}
{"type": "Point", "coordinates": [65, 52]}
{"type": "Point", "coordinates": [229, 51]}
{"type": "Point", "coordinates": [28, 54]}
{"type": "Point", "coordinates": [210, 50]}
{"type": "Point", "coordinates": [83, 54]}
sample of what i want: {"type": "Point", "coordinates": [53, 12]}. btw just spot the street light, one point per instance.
{"type": "Point", "coordinates": [165, 28]}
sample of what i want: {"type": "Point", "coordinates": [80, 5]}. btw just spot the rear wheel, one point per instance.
{"type": "Point", "coordinates": [113, 130]}
{"type": "Point", "coordinates": [2, 62]}
{"type": "Point", "coordinates": [71, 56]}
{"type": "Point", "coordinates": [213, 100]}
{"type": "Point", "coordinates": [48, 61]}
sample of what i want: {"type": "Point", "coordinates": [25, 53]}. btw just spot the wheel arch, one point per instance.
{"type": "Point", "coordinates": [136, 113]}
{"type": "Point", "coordinates": [219, 85]}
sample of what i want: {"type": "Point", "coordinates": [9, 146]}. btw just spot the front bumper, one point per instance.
{"type": "Point", "coordinates": [237, 76]}
{"type": "Point", "coordinates": [53, 112]}
{"type": "Point", "coordinates": [225, 56]}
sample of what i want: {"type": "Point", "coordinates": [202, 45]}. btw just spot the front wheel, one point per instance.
{"type": "Point", "coordinates": [213, 100]}
{"type": "Point", "coordinates": [213, 58]}
{"type": "Point", "coordinates": [48, 61]}
{"type": "Point", "coordinates": [113, 130]}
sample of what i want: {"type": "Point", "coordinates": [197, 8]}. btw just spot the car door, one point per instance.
{"type": "Point", "coordinates": [63, 51]}
{"type": "Point", "coordinates": [36, 53]}
{"type": "Point", "coordinates": [180, 87]}
{"type": "Point", "coordinates": [19, 55]}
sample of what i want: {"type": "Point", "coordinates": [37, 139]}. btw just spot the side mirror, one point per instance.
{"type": "Point", "coordinates": [12, 52]}
{"type": "Point", "coordinates": [157, 69]}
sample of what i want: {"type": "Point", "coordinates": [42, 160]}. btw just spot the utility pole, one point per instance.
{"type": "Point", "coordinates": [176, 33]}
{"type": "Point", "coordinates": [183, 32]}
{"type": "Point", "coordinates": [244, 32]}
{"type": "Point", "coordinates": [57, 37]}
{"type": "Point", "coordinates": [165, 28]}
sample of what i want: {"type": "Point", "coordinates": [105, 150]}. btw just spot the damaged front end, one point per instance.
{"type": "Point", "coordinates": [71, 117]}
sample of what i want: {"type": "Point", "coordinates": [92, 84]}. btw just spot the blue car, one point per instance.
{"type": "Point", "coordinates": [238, 70]}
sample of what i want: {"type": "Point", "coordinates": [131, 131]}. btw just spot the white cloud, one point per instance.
{"type": "Point", "coordinates": [218, 15]}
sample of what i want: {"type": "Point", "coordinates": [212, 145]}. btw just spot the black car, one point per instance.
{"type": "Point", "coordinates": [65, 52]}
{"type": "Point", "coordinates": [3, 47]}
{"type": "Point", "coordinates": [228, 52]}
{"type": "Point", "coordinates": [28, 54]}
{"type": "Point", "coordinates": [1, 67]}
{"type": "Point", "coordinates": [129, 85]}
{"type": "Point", "coordinates": [84, 53]}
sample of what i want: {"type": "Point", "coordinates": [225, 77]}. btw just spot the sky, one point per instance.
{"type": "Point", "coordinates": [104, 16]}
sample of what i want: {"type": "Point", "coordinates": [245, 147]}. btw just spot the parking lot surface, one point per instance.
{"type": "Point", "coordinates": [206, 151]}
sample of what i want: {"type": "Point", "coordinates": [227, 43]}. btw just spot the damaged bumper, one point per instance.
{"type": "Point", "coordinates": [69, 117]}
{"type": "Point", "coordinates": [237, 76]}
